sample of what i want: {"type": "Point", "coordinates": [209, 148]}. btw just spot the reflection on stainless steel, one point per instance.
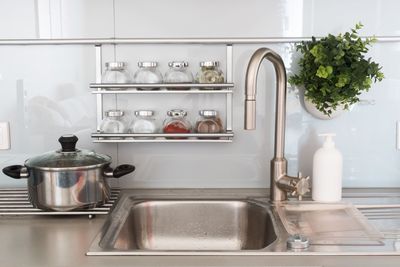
{"type": "Point", "coordinates": [156, 225]}
{"type": "Point", "coordinates": [192, 224]}
{"type": "Point", "coordinates": [386, 219]}
{"type": "Point", "coordinates": [68, 190]}
{"type": "Point", "coordinates": [281, 183]}
{"type": "Point", "coordinates": [15, 202]}
{"type": "Point", "coordinates": [328, 223]}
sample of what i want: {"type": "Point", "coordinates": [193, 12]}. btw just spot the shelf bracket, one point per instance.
{"type": "Point", "coordinates": [229, 79]}
{"type": "Point", "coordinates": [99, 97]}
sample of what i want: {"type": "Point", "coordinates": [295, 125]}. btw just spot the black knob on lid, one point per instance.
{"type": "Point", "coordinates": [68, 142]}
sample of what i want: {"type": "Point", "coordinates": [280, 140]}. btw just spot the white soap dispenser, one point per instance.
{"type": "Point", "coordinates": [327, 172]}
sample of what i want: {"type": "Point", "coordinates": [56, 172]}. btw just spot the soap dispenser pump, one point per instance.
{"type": "Point", "coordinates": [327, 172]}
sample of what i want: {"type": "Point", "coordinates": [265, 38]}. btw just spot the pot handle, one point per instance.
{"type": "Point", "coordinates": [119, 171]}
{"type": "Point", "coordinates": [16, 171]}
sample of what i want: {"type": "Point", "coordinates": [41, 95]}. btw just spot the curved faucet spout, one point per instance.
{"type": "Point", "coordinates": [281, 183]}
{"type": "Point", "coordinates": [251, 88]}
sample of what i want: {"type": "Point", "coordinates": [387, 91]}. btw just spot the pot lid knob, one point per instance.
{"type": "Point", "coordinates": [68, 142]}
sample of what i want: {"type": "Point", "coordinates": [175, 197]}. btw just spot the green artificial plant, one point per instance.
{"type": "Point", "coordinates": [334, 70]}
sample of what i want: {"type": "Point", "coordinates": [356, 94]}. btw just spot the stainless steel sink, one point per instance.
{"type": "Point", "coordinates": [142, 226]}
{"type": "Point", "coordinates": [194, 225]}
{"type": "Point", "coordinates": [210, 222]}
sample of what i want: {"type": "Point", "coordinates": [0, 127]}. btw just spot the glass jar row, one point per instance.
{"type": "Point", "coordinates": [148, 73]}
{"type": "Point", "coordinates": [175, 122]}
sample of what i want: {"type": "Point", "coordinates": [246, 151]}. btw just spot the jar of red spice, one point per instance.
{"type": "Point", "coordinates": [176, 122]}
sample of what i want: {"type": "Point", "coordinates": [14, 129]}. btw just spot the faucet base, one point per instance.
{"type": "Point", "coordinates": [278, 171]}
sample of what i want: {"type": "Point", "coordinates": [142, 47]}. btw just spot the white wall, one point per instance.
{"type": "Point", "coordinates": [44, 89]}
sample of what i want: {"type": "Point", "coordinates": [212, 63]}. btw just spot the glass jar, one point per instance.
{"type": "Point", "coordinates": [144, 122]}
{"type": "Point", "coordinates": [209, 122]}
{"type": "Point", "coordinates": [148, 73]}
{"type": "Point", "coordinates": [116, 72]}
{"type": "Point", "coordinates": [178, 73]}
{"type": "Point", "coordinates": [113, 122]}
{"type": "Point", "coordinates": [176, 122]}
{"type": "Point", "coordinates": [209, 73]}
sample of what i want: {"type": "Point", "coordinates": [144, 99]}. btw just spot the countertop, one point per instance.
{"type": "Point", "coordinates": [64, 240]}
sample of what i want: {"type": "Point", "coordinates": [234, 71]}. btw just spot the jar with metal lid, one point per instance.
{"type": "Point", "coordinates": [148, 73]}
{"type": "Point", "coordinates": [209, 122]}
{"type": "Point", "coordinates": [113, 122]}
{"type": "Point", "coordinates": [144, 122]}
{"type": "Point", "coordinates": [176, 122]}
{"type": "Point", "coordinates": [178, 73]}
{"type": "Point", "coordinates": [116, 72]}
{"type": "Point", "coordinates": [209, 73]}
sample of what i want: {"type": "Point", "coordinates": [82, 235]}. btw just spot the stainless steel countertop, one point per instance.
{"type": "Point", "coordinates": [63, 241]}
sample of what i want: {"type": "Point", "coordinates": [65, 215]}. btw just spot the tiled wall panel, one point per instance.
{"type": "Point", "coordinates": [44, 89]}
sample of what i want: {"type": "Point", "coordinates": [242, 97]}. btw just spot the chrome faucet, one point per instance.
{"type": "Point", "coordinates": [281, 183]}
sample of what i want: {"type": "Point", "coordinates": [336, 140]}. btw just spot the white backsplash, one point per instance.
{"type": "Point", "coordinates": [44, 89]}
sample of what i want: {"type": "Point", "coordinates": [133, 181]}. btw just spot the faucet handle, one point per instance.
{"type": "Point", "coordinates": [301, 186]}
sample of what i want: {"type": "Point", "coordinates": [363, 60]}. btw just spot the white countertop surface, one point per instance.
{"type": "Point", "coordinates": [63, 240]}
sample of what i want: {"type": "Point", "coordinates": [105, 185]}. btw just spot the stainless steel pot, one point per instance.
{"type": "Point", "coordinates": [68, 178]}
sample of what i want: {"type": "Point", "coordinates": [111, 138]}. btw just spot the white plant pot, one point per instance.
{"type": "Point", "coordinates": [312, 109]}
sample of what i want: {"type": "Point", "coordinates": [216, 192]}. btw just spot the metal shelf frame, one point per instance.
{"type": "Point", "coordinates": [162, 91]}
{"type": "Point", "coordinates": [225, 137]}
{"type": "Point", "coordinates": [163, 85]}
{"type": "Point", "coordinates": [223, 88]}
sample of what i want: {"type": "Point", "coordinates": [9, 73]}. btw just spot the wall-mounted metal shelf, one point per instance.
{"type": "Point", "coordinates": [134, 88]}
{"type": "Point", "coordinates": [163, 138]}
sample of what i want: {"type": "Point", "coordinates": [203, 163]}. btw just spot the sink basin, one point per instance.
{"type": "Point", "coordinates": [154, 225]}
{"type": "Point", "coordinates": [195, 225]}
{"type": "Point", "coordinates": [200, 222]}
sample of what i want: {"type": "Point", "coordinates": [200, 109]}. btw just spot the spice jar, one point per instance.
{"type": "Point", "coordinates": [209, 73]}
{"type": "Point", "coordinates": [144, 122]}
{"type": "Point", "coordinates": [113, 122]}
{"type": "Point", "coordinates": [209, 122]}
{"type": "Point", "coordinates": [176, 122]}
{"type": "Point", "coordinates": [148, 73]}
{"type": "Point", "coordinates": [116, 72]}
{"type": "Point", "coordinates": [178, 73]}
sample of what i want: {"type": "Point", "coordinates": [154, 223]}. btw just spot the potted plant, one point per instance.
{"type": "Point", "coordinates": [334, 72]}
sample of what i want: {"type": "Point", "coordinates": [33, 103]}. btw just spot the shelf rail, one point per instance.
{"type": "Point", "coordinates": [225, 137]}
{"type": "Point", "coordinates": [169, 135]}
{"type": "Point", "coordinates": [157, 140]}
{"type": "Point", "coordinates": [200, 40]}
{"type": "Point", "coordinates": [160, 85]}
{"type": "Point", "coordinates": [172, 88]}
{"type": "Point", "coordinates": [163, 91]}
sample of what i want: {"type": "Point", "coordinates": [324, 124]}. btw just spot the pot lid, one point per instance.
{"type": "Point", "coordinates": [68, 156]}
